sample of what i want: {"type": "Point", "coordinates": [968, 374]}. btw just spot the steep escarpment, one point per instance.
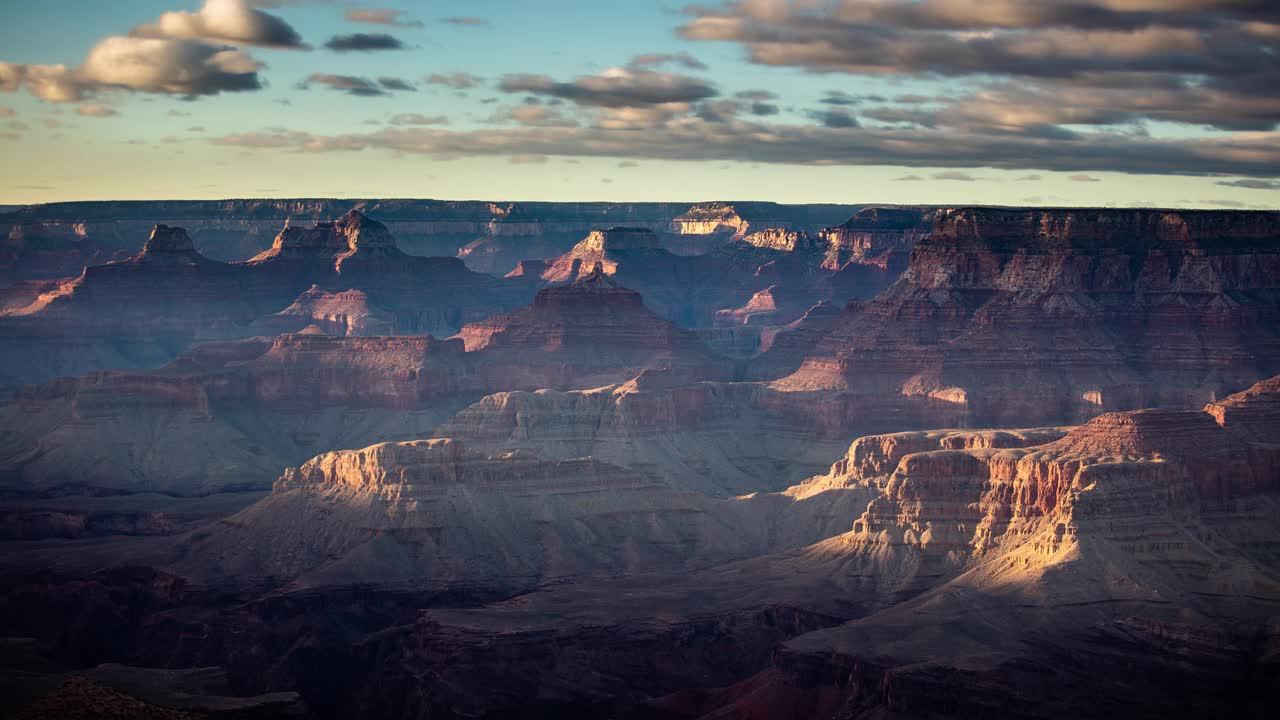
{"type": "Point", "coordinates": [227, 416]}
{"type": "Point", "coordinates": [145, 310]}
{"type": "Point", "coordinates": [583, 333]}
{"type": "Point", "coordinates": [233, 414]}
{"type": "Point", "coordinates": [987, 568]}
{"type": "Point", "coordinates": [60, 238]}
{"type": "Point", "coordinates": [1016, 317]}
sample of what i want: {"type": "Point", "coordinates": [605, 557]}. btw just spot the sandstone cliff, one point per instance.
{"type": "Point", "coordinates": [1017, 317]}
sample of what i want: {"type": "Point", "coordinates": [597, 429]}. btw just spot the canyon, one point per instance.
{"type": "Point", "coordinates": [430, 459]}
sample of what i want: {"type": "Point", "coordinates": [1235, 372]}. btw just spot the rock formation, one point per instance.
{"type": "Point", "coordinates": [1028, 317]}
{"type": "Point", "coordinates": [145, 310]}
{"type": "Point", "coordinates": [585, 333]}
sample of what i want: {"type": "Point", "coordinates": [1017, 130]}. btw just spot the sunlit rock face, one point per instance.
{"type": "Point", "coordinates": [1017, 317]}
{"type": "Point", "coordinates": [909, 463]}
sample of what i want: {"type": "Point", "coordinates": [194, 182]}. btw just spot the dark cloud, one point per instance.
{"type": "Point", "coordinates": [955, 175]}
{"type": "Point", "coordinates": [692, 138]}
{"type": "Point", "coordinates": [908, 178]}
{"type": "Point", "coordinates": [1251, 184]}
{"type": "Point", "coordinates": [834, 117]}
{"type": "Point", "coordinates": [1052, 62]}
{"type": "Point", "coordinates": [457, 80]}
{"type": "Point", "coordinates": [364, 42]}
{"type": "Point", "coordinates": [614, 88]}
{"type": "Point", "coordinates": [350, 84]}
{"type": "Point", "coordinates": [395, 83]}
{"type": "Point", "coordinates": [838, 97]}
{"type": "Point", "coordinates": [394, 18]}
{"type": "Point", "coordinates": [682, 59]}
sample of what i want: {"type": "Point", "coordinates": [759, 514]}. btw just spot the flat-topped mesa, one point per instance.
{"type": "Point", "coordinates": [1098, 230]}
{"type": "Point", "coordinates": [782, 240]}
{"type": "Point", "coordinates": [170, 245]}
{"type": "Point", "coordinates": [354, 232]}
{"type": "Point", "coordinates": [1145, 433]}
{"type": "Point", "coordinates": [1147, 251]}
{"type": "Point", "coordinates": [710, 218]}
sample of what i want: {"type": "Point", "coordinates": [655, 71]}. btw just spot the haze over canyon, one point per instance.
{"type": "Point", "coordinates": [572, 360]}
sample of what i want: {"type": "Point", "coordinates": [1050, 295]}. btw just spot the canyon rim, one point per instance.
{"type": "Point", "coordinates": [848, 360]}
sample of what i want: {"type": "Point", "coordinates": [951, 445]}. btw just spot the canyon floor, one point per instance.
{"type": "Point", "coordinates": [417, 459]}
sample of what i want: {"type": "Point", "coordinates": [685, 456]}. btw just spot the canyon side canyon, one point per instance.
{"type": "Point", "coordinates": [724, 460]}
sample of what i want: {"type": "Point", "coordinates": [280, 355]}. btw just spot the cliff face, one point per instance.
{"type": "Point", "coordinates": [101, 430]}
{"type": "Point", "coordinates": [1054, 316]}
{"type": "Point", "coordinates": [1111, 563]}
{"type": "Point", "coordinates": [59, 239]}
{"type": "Point", "coordinates": [145, 310]}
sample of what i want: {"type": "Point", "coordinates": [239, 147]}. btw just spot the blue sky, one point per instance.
{"type": "Point", "coordinates": [758, 100]}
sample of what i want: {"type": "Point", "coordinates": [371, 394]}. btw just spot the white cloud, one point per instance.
{"type": "Point", "coordinates": [230, 21]}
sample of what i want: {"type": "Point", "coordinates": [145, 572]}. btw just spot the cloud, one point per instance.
{"type": "Point", "coordinates": [1091, 62]}
{"type": "Point", "coordinates": [395, 83]}
{"type": "Point", "coordinates": [682, 59]}
{"type": "Point", "coordinates": [1251, 184]}
{"type": "Point", "coordinates": [418, 119]}
{"type": "Point", "coordinates": [834, 118]}
{"type": "Point", "coordinates": [224, 21]}
{"type": "Point", "coordinates": [466, 21]}
{"type": "Point", "coordinates": [350, 84]}
{"type": "Point", "coordinates": [955, 175]}
{"type": "Point", "coordinates": [456, 80]}
{"type": "Point", "coordinates": [689, 137]}
{"type": "Point", "coordinates": [614, 88]}
{"type": "Point", "coordinates": [152, 65]}
{"type": "Point", "coordinates": [364, 42]}
{"type": "Point", "coordinates": [908, 178]}
{"type": "Point", "coordinates": [96, 110]}
{"type": "Point", "coordinates": [1028, 178]}
{"type": "Point", "coordinates": [1084, 179]}
{"type": "Point", "coordinates": [528, 159]}
{"type": "Point", "coordinates": [535, 116]}
{"type": "Point", "coordinates": [394, 18]}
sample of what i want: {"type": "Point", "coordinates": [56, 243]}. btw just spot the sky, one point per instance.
{"type": "Point", "coordinates": [1170, 103]}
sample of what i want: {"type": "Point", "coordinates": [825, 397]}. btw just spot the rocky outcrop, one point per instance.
{"type": "Point", "coordinates": [716, 438]}
{"type": "Point", "coordinates": [341, 313]}
{"type": "Point", "coordinates": [974, 570]}
{"type": "Point", "coordinates": [229, 416]}
{"type": "Point", "coordinates": [145, 310]}
{"type": "Point", "coordinates": [592, 331]}
{"type": "Point", "coordinates": [1027, 317]}
{"type": "Point", "coordinates": [430, 516]}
